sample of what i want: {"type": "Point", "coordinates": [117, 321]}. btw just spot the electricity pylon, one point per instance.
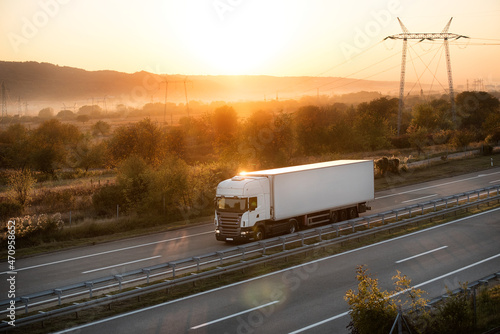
{"type": "Point", "coordinates": [405, 36]}
{"type": "Point", "coordinates": [167, 81]}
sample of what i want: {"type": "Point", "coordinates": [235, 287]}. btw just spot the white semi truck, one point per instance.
{"type": "Point", "coordinates": [256, 205]}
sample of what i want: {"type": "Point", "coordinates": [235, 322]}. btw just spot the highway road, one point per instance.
{"type": "Point", "coordinates": [309, 298]}
{"type": "Point", "coordinates": [53, 270]}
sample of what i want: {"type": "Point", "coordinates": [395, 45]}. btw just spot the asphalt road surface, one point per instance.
{"type": "Point", "coordinates": [309, 298]}
{"type": "Point", "coordinates": [54, 270]}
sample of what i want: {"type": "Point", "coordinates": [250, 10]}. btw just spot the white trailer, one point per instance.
{"type": "Point", "coordinates": [255, 205]}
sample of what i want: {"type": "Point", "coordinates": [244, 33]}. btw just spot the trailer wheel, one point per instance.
{"type": "Point", "coordinates": [353, 213]}
{"type": "Point", "coordinates": [343, 215]}
{"type": "Point", "coordinates": [259, 233]}
{"type": "Point", "coordinates": [293, 226]}
{"type": "Point", "coordinates": [334, 217]}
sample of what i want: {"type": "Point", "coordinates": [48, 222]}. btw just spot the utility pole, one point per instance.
{"type": "Point", "coordinates": [405, 36]}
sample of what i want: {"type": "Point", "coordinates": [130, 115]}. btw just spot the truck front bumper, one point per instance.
{"type": "Point", "coordinates": [244, 234]}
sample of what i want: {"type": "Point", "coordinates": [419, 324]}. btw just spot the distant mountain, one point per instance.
{"type": "Point", "coordinates": [34, 82]}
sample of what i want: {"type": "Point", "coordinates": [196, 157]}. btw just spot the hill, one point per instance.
{"type": "Point", "coordinates": [38, 83]}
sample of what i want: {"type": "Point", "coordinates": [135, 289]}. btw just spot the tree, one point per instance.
{"type": "Point", "coordinates": [144, 139]}
{"type": "Point", "coordinates": [87, 154]}
{"type": "Point", "coordinates": [132, 180]}
{"type": "Point", "coordinates": [46, 113]}
{"type": "Point", "coordinates": [93, 111]}
{"type": "Point", "coordinates": [16, 150]}
{"type": "Point", "coordinates": [225, 129]}
{"type": "Point", "coordinates": [167, 187]}
{"type": "Point", "coordinates": [311, 128]}
{"type": "Point", "coordinates": [418, 137]}
{"type": "Point", "coordinates": [176, 142]}
{"type": "Point", "coordinates": [474, 108]}
{"type": "Point", "coordinates": [373, 310]}
{"type": "Point", "coordinates": [258, 136]}
{"type": "Point", "coordinates": [83, 118]}
{"type": "Point", "coordinates": [50, 142]}
{"type": "Point", "coordinates": [65, 114]}
{"type": "Point", "coordinates": [20, 184]}
{"type": "Point", "coordinates": [101, 128]}
{"type": "Point", "coordinates": [425, 116]}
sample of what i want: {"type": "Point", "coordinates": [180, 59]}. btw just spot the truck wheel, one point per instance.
{"type": "Point", "coordinates": [293, 226]}
{"type": "Point", "coordinates": [353, 213]}
{"type": "Point", "coordinates": [343, 215]}
{"type": "Point", "coordinates": [259, 233]}
{"type": "Point", "coordinates": [334, 217]}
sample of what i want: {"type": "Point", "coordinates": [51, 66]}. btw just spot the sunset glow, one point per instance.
{"type": "Point", "coordinates": [279, 38]}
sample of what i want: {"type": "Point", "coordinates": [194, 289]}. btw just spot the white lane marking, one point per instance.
{"type": "Point", "coordinates": [437, 185]}
{"type": "Point", "coordinates": [496, 181]}
{"type": "Point", "coordinates": [121, 264]}
{"type": "Point", "coordinates": [417, 199]}
{"type": "Point", "coordinates": [398, 293]}
{"type": "Point", "coordinates": [234, 315]}
{"type": "Point", "coordinates": [266, 275]}
{"type": "Point", "coordinates": [107, 252]}
{"type": "Point", "coordinates": [424, 253]}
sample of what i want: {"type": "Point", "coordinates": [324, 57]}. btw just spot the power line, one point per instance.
{"type": "Point", "coordinates": [443, 35]}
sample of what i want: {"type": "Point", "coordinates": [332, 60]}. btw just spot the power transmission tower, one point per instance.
{"type": "Point", "coordinates": [166, 94]}
{"type": "Point", "coordinates": [405, 36]}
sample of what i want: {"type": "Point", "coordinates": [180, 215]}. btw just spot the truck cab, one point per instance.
{"type": "Point", "coordinates": [240, 203]}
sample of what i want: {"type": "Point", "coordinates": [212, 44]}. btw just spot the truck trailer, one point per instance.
{"type": "Point", "coordinates": [260, 204]}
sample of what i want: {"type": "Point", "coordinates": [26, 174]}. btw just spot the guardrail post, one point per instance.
{"type": "Point", "coordinates": [26, 301]}
{"type": "Point", "coordinates": [283, 239]}
{"type": "Point", "coordinates": [221, 257]}
{"type": "Point", "coordinates": [119, 279]}
{"type": "Point", "coordinates": [242, 252]}
{"type": "Point", "coordinates": [353, 227]}
{"type": "Point", "coordinates": [263, 245]}
{"type": "Point", "coordinates": [89, 285]}
{"type": "Point", "coordinates": [172, 265]}
{"type": "Point", "coordinates": [337, 229]}
{"type": "Point", "coordinates": [146, 271]}
{"type": "Point", "coordinates": [197, 259]}
{"type": "Point", "coordinates": [302, 238]}
{"type": "Point", "coordinates": [58, 292]}
{"type": "Point", "coordinates": [319, 234]}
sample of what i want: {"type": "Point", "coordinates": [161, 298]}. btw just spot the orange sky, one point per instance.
{"type": "Point", "coordinates": [271, 37]}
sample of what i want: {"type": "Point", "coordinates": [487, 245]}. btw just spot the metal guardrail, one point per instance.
{"type": "Point", "coordinates": [236, 258]}
{"type": "Point", "coordinates": [470, 286]}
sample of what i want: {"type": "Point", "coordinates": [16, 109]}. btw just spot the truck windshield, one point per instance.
{"type": "Point", "coordinates": [231, 204]}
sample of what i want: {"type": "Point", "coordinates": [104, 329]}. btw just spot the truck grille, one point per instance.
{"type": "Point", "coordinates": [229, 224]}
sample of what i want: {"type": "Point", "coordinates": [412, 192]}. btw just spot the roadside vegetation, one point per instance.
{"type": "Point", "coordinates": [71, 184]}
{"type": "Point", "coordinates": [373, 310]}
